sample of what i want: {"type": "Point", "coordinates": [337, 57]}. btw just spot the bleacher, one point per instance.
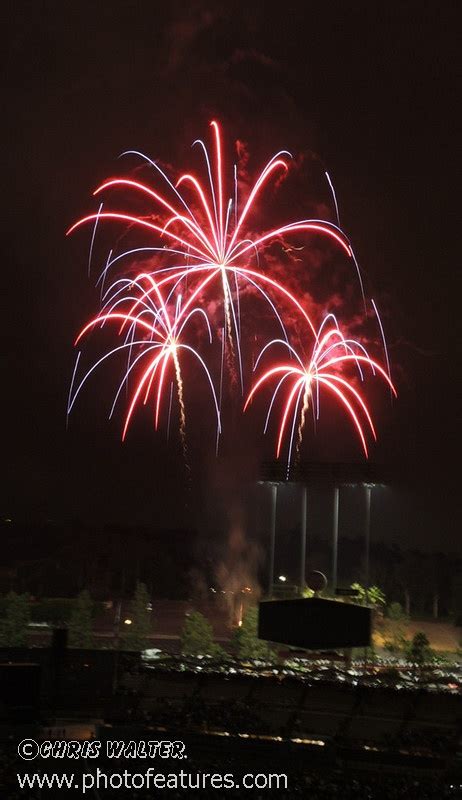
{"type": "Point", "coordinates": [289, 708]}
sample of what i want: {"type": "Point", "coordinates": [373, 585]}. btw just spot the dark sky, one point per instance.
{"type": "Point", "coordinates": [370, 88]}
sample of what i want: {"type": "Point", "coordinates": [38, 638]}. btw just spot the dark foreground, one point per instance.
{"type": "Point", "coordinates": [313, 737]}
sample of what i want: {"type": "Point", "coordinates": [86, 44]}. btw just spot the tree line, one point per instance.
{"type": "Point", "coordinates": [197, 637]}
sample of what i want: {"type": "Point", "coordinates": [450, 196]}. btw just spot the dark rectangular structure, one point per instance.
{"type": "Point", "coordinates": [315, 623]}
{"type": "Point", "coordinates": [19, 692]}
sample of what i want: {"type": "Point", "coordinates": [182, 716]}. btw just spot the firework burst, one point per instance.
{"type": "Point", "coordinates": [204, 231]}
{"type": "Point", "coordinates": [303, 379]}
{"type": "Point", "coordinates": [152, 329]}
{"type": "Point", "coordinates": [205, 251]}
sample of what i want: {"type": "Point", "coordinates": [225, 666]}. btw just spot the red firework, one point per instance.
{"type": "Point", "coordinates": [303, 379]}
{"type": "Point", "coordinates": [208, 237]}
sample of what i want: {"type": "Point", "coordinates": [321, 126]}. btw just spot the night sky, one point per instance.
{"type": "Point", "coordinates": [370, 88]}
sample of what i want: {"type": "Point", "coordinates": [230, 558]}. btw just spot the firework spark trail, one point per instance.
{"type": "Point", "coordinates": [206, 239]}
{"type": "Point", "coordinates": [230, 354]}
{"type": "Point", "coordinates": [382, 333]}
{"type": "Point", "coordinates": [69, 398]}
{"type": "Point", "coordinates": [102, 276]}
{"type": "Point", "coordinates": [334, 196]}
{"type": "Point", "coordinates": [301, 392]}
{"type": "Point", "coordinates": [221, 384]}
{"type": "Point", "coordinates": [301, 426]}
{"type": "Point", "coordinates": [92, 241]}
{"type": "Point", "coordinates": [179, 382]}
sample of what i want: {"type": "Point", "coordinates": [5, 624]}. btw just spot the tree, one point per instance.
{"type": "Point", "coordinates": [13, 628]}
{"type": "Point", "coordinates": [246, 641]}
{"type": "Point", "coordinates": [395, 627]}
{"type": "Point", "coordinates": [80, 625]}
{"type": "Point", "coordinates": [197, 637]}
{"type": "Point", "coordinates": [136, 637]}
{"type": "Point", "coordinates": [371, 595]}
{"type": "Point", "coordinates": [419, 651]}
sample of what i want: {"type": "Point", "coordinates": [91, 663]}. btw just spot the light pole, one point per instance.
{"type": "Point", "coordinates": [116, 646]}
{"type": "Point", "coordinates": [303, 539]}
{"type": "Point", "coordinates": [274, 499]}
{"type": "Point", "coordinates": [335, 540]}
{"type": "Point", "coordinates": [367, 537]}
